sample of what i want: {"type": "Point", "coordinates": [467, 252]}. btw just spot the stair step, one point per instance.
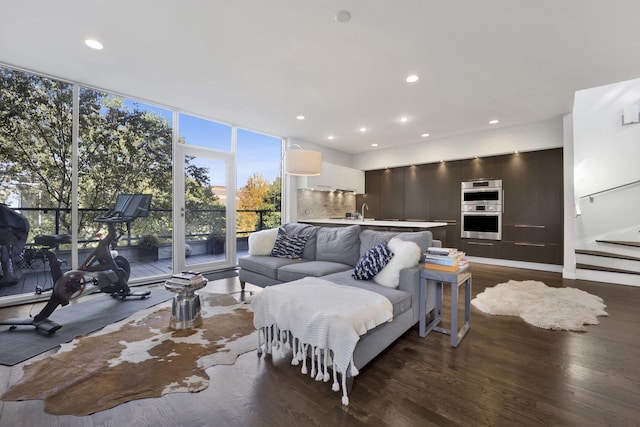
{"type": "Point", "coordinates": [607, 269]}
{"type": "Point", "coordinates": [607, 254]}
{"type": "Point", "coordinates": [620, 242]}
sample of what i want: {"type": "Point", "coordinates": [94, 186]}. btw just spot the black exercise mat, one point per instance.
{"type": "Point", "coordinates": [25, 342]}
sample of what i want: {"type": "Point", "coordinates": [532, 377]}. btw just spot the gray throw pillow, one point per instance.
{"type": "Point", "coordinates": [338, 244]}
{"type": "Point", "coordinates": [370, 238]}
{"type": "Point", "coordinates": [424, 239]}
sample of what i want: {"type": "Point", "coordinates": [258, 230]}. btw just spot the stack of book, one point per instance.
{"type": "Point", "coordinates": [186, 279]}
{"type": "Point", "coordinates": [445, 259]}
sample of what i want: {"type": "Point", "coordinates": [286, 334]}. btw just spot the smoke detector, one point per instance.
{"type": "Point", "coordinates": [343, 16]}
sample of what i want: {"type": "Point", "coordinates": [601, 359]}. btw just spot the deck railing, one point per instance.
{"type": "Point", "coordinates": [131, 238]}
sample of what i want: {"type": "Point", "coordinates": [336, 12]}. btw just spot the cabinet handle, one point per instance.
{"type": "Point", "coordinates": [529, 226]}
{"type": "Point", "coordinates": [537, 245]}
{"type": "Point", "coordinates": [481, 244]}
{"type": "Point", "coordinates": [453, 221]}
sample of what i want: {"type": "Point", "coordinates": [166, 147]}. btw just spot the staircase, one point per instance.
{"type": "Point", "coordinates": [617, 262]}
{"type": "Point", "coordinates": [606, 235]}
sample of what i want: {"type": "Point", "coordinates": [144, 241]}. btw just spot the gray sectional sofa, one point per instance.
{"type": "Point", "coordinates": [331, 254]}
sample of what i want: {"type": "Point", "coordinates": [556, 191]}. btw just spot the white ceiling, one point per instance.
{"type": "Point", "coordinates": [258, 63]}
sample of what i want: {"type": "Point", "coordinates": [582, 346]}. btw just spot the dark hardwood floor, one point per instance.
{"type": "Point", "coordinates": [504, 373]}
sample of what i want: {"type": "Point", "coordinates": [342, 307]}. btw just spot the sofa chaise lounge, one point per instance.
{"type": "Point", "coordinates": [331, 253]}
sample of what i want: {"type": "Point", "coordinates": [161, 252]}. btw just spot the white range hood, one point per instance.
{"type": "Point", "coordinates": [334, 178]}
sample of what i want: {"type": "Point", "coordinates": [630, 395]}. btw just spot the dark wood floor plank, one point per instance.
{"type": "Point", "coordinates": [504, 373]}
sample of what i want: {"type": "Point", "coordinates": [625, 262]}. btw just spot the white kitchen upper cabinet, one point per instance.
{"type": "Point", "coordinates": [334, 177]}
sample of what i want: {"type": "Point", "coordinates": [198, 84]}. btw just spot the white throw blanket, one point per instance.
{"type": "Point", "coordinates": [319, 316]}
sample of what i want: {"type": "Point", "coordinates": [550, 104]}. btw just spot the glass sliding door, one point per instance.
{"type": "Point", "coordinates": [204, 194]}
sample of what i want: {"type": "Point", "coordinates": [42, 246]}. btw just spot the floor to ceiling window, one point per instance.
{"type": "Point", "coordinates": [259, 182]}
{"type": "Point", "coordinates": [35, 157]}
{"type": "Point", "coordinates": [127, 146]}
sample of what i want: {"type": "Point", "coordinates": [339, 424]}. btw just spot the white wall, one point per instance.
{"type": "Point", "coordinates": [528, 137]}
{"type": "Point", "coordinates": [569, 254]}
{"type": "Point", "coordinates": [606, 155]}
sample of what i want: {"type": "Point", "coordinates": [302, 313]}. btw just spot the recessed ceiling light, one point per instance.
{"type": "Point", "coordinates": [363, 129]}
{"type": "Point", "coordinates": [494, 121]}
{"type": "Point", "coordinates": [374, 145]}
{"type": "Point", "coordinates": [300, 117]}
{"type": "Point", "coordinates": [93, 44]}
{"type": "Point", "coordinates": [412, 78]}
{"type": "Point", "coordinates": [425, 135]}
{"type": "Point", "coordinates": [404, 119]}
{"type": "Point", "coordinates": [331, 137]}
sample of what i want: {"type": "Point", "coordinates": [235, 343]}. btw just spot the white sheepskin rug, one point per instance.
{"type": "Point", "coordinates": [542, 306]}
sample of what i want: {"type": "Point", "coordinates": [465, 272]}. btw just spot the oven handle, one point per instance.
{"type": "Point", "coordinates": [482, 213]}
{"type": "Point", "coordinates": [480, 243]}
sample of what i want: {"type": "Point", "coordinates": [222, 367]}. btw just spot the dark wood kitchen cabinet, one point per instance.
{"type": "Point", "coordinates": [481, 168]}
{"type": "Point", "coordinates": [372, 194]}
{"type": "Point", "coordinates": [533, 207]}
{"type": "Point", "coordinates": [532, 211]}
{"type": "Point", "coordinates": [481, 248]}
{"type": "Point", "coordinates": [384, 189]}
{"type": "Point", "coordinates": [443, 187]}
{"type": "Point", "coordinates": [416, 198]}
{"type": "Point", "coordinates": [391, 203]}
{"type": "Point", "coordinates": [432, 193]}
{"type": "Point", "coordinates": [533, 188]}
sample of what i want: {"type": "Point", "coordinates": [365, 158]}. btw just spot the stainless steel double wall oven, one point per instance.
{"type": "Point", "coordinates": [481, 209]}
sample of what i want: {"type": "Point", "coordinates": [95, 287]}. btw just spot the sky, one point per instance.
{"type": "Point", "coordinates": [256, 153]}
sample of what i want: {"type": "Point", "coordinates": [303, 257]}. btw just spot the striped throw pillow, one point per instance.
{"type": "Point", "coordinates": [372, 262]}
{"type": "Point", "coordinates": [288, 245]}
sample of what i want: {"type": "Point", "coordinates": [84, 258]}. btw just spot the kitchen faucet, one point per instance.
{"type": "Point", "coordinates": [364, 205]}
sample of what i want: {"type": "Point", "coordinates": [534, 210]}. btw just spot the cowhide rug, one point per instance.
{"type": "Point", "coordinates": [542, 306]}
{"type": "Point", "coordinates": [137, 358]}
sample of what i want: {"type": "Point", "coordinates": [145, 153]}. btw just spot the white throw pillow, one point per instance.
{"type": "Point", "coordinates": [261, 242]}
{"type": "Point", "coordinates": [405, 254]}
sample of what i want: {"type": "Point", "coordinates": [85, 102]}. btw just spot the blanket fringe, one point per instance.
{"type": "Point", "coordinates": [277, 339]}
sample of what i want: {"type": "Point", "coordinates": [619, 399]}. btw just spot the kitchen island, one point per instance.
{"type": "Point", "coordinates": [371, 223]}
{"type": "Point", "coordinates": [438, 229]}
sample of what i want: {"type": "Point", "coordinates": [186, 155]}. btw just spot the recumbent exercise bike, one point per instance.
{"type": "Point", "coordinates": [101, 268]}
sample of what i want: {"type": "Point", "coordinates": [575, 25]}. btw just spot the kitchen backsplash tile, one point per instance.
{"type": "Point", "coordinates": [324, 204]}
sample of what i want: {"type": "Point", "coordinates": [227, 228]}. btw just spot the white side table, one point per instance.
{"type": "Point", "coordinates": [456, 280]}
